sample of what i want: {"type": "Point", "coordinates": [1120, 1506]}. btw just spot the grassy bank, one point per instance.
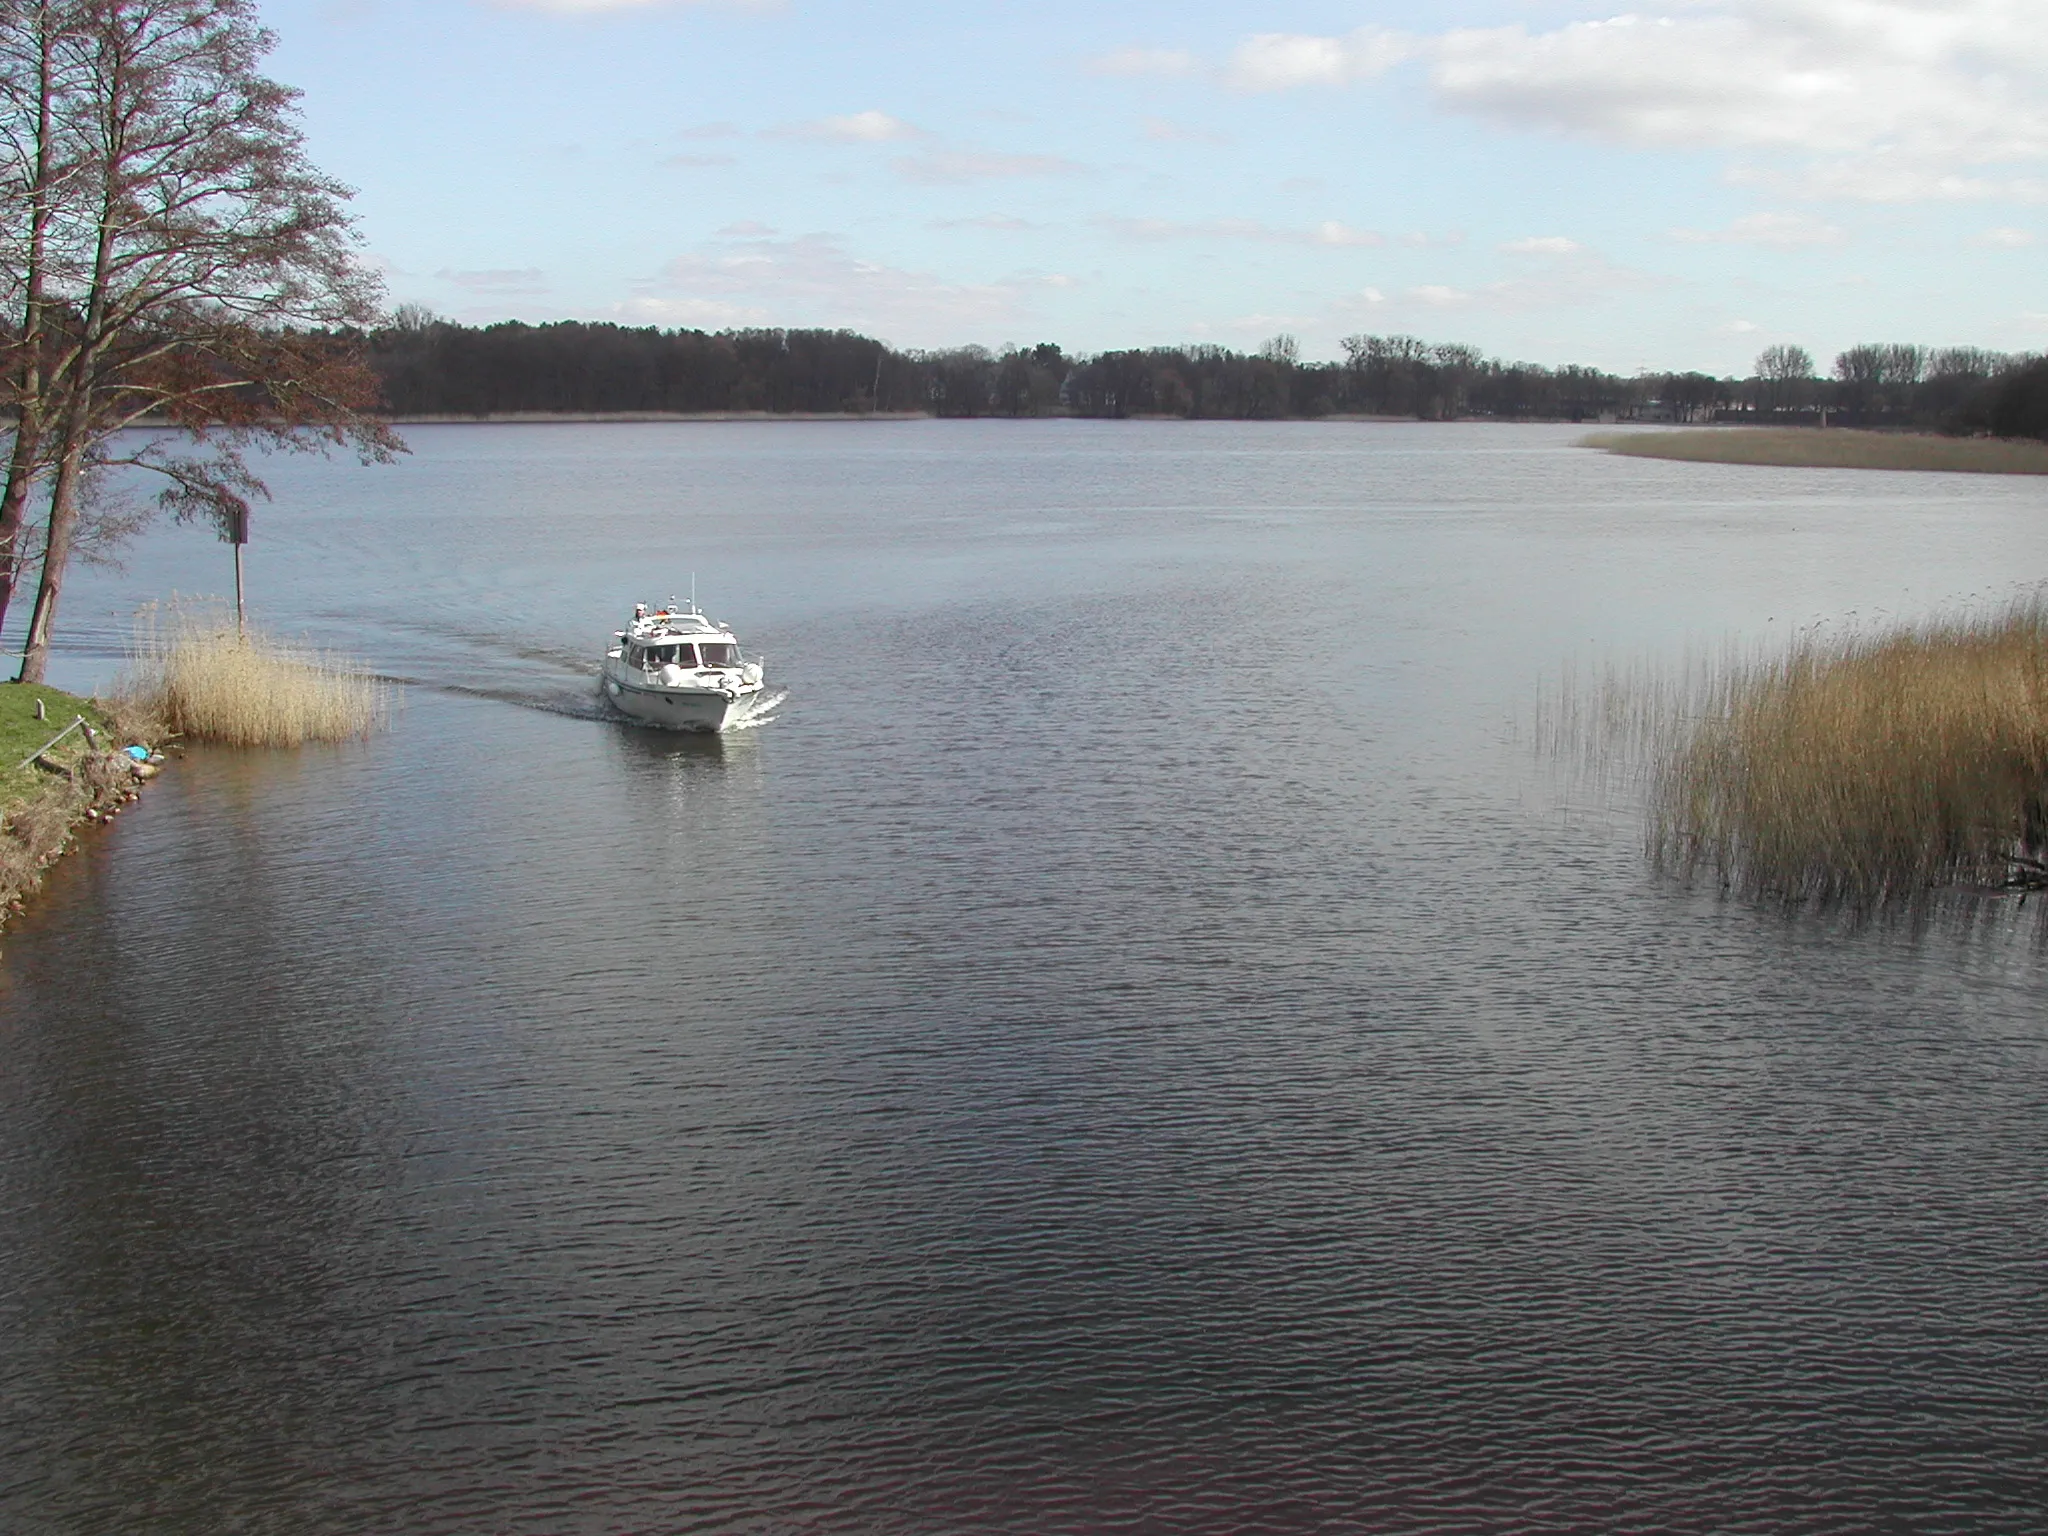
{"type": "Point", "coordinates": [21, 732]}
{"type": "Point", "coordinates": [1864, 770]}
{"type": "Point", "coordinates": [43, 803]}
{"type": "Point", "coordinates": [203, 677]}
{"type": "Point", "coordinates": [1833, 448]}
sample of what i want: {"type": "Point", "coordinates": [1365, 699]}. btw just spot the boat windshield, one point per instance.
{"type": "Point", "coordinates": [659, 656]}
{"type": "Point", "coordinates": [718, 654]}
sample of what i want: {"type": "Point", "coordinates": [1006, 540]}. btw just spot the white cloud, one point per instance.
{"type": "Point", "coordinates": [1279, 61]}
{"type": "Point", "coordinates": [1358, 303]}
{"type": "Point", "coordinates": [1542, 245]}
{"type": "Point", "coordinates": [1000, 223]}
{"type": "Point", "coordinates": [1865, 100]}
{"type": "Point", "coordinates": [1883, 176]}
{"type": "Point", "coordinates": [1165, 131]}
{"type": "Point", "coordinates": [1145, 61]}
{"type": "Point", "coordinates": [1936, 83]}
{"type": "Point", "coordinates": [508, 282]}
{"type": "Point", "coordinates": [1329, 232]}
{"type": "Point", "coordinates": [2006, 238]}
{"type": "Point", "coordinates": [597, 7]}
{"type": "Point", "coordinates": [1254, 324]}
{"type": "Point", "coordinates": [813, 280]}
{"type": "Point", "coordinates": [951, 167]}
{"type": "Point", "coordinates": [855, 128]}
{"type": "Point", "coordinates": [701, 314]}
{"type": "Point", "coordinates": [1739, 328]}
{"type": "Point", "coordinates": [1568, 279]}
{"type": "Point", "coordinates": [1175, 229]}
{"type": "Point", "coordinates": [1649, 80]}
{"type": "Point", "coordinates": [697, 162]}
{"type": "Point", "coordinates": [1781, 231]}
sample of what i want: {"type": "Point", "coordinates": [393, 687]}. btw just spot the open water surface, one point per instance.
{"type": "Point", "coordinates": [1142, 1043]}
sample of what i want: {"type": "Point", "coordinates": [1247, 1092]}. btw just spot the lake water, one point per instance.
{"type": "Point", "coordinates": [1141, 1043]}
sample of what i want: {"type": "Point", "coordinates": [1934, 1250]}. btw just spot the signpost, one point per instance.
{"type": "Point", "coordinates": [238, 531]}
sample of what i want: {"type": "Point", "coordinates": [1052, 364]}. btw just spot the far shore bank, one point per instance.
{"type": "Point", "coordinates": [1830, 448]}
{"type": "Point", "coordinates": [1723, 442]}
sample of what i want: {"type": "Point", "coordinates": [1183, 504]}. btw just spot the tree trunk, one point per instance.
{"type": "Point", "coordinates": [35, 659]}
{"type": "Point", "coordinates": [28, 382]}
{"type": "Point", "coordinates": [21, 470]}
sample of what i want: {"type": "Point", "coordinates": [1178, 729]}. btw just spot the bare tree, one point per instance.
{"type": "Point", "coordinates": [1785, 370]}
{"type": "Point", "coordinates": [40, 163]}
{"type": "Point", "coordinates": [216, 271]}
{"type": "Point", "coordinates": [1873, 376]}
{"type": "Point", "coordinates": [1402, 375]}
{"type": "Point", "coordinates": [1282, 349]}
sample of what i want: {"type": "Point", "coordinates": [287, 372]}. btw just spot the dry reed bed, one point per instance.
{"type": "Point", "coordinates": [1863, 769]}
{"type": "Point", "coordinates": [1834, 448]}
{"type": "Point", "coordinates": [204, 678]}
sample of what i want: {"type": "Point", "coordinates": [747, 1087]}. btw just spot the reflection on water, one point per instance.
{"type": "Point", "coordinates": [1139, 1049]}
{"type": "Point", "coordinates": [636, 743]}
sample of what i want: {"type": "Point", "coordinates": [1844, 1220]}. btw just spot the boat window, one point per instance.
{"type": "Point", "coordinates": [682, 655]}
{"type": "Point", "coordinates": [635, 656]}
{"type": "Point", "coordinates": [719, 655]}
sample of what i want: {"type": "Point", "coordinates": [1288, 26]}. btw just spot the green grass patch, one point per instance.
{"type": "Point", "coordinates": [21, 733]}
{"type": "Point", "coordinates": [42, 808]}
{"type": "Point", "coordinates": [1831, 448]}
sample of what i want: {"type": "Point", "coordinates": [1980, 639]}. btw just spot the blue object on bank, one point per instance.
{"type": "Point", "coordinates": [140, 754]}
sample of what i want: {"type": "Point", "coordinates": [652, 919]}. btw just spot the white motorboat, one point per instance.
{"type": "Point", "coordinates": [674, 667]}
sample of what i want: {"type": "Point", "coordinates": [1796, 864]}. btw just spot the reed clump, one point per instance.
{"type": "Point", "coordinates": [1833, 448]}
{"type": "Point", "coordinates": [201, 676]}
{"type": "Point", "coordinates": [1865, 769]}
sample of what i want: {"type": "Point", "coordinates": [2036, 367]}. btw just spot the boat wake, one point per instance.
{"type": "Point", "coordinates": [573, 692]}
{"type": "Point", "coordinates": [575, 704]}
{"type": "Point", "coordinates": [763, 711]}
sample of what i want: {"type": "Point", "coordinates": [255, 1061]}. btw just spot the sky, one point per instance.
{"type": "Point", "coordinates": [1672, 187]}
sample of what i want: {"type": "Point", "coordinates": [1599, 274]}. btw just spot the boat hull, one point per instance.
{"type": "Point", "coordinates": [680, 709]}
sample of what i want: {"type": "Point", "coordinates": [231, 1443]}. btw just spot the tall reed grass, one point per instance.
{"type": "Point", "coordinates": [1863, 769]}
{"type": "Point", "coordinates": [1835, 448]}
{"type": "Point", "coordinates": [202, 677]}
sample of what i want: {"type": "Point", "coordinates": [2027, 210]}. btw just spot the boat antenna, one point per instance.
{"type": "Point", "coordinates": [693, 591]}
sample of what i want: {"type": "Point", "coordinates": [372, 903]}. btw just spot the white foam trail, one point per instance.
{"type": "Point", "coordinates": [761, 713]}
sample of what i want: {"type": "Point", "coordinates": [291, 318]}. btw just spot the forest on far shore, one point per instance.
{"type": "Point", "coordinates": [434, 367]}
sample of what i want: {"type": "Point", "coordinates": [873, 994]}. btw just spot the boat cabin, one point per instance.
{"type": "Point", "coordinates": [652, 655]}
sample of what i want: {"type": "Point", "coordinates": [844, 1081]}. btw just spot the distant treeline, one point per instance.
{"type": "Point", "coordinates": [433, 367]}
